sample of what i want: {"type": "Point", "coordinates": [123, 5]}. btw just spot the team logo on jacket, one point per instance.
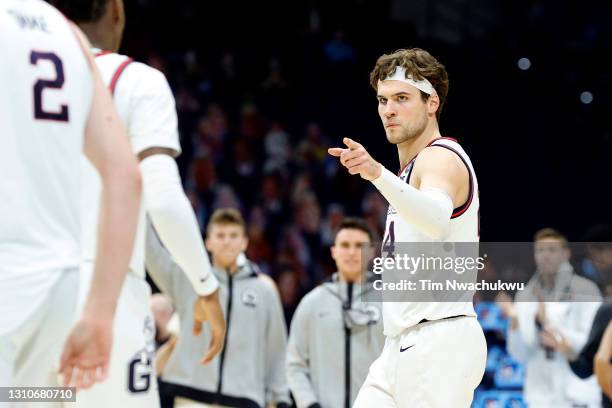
{"type": "Point", "coordinates": [249, 298]}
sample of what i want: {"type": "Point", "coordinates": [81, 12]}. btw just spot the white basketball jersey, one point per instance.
{"type": "Point", "coordinates": [464, 227]}
{"type": "Point", "coordinates": [146, 106]}
{"type": "Point", "coordinates": [46, 95]}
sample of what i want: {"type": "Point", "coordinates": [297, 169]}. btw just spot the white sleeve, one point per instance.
{"type": "Point", "coordinates": [429, 210]}
{"type": "Point", "coordinates": [152, 120]}
{"type": "Point", "coordinates": [175, 222]}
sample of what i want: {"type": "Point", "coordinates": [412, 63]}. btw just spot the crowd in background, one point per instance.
{"type": "Point", "coordinates": [257, 115]}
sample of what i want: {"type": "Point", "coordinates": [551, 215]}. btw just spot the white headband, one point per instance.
{"type": "Point", "coordinates": [400, 75]}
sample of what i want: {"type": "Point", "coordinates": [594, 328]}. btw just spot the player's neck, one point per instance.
{"type": "Point", "coordinates": [410, 148]}
{"type": "Point", "coordinates": [230, 269]}
{"type": "Point", "coordinates": [348, 277]}
{"type": "Point", "coordinates": [98, 36]}
{"type": "Point", "coordinates": [548, 280]}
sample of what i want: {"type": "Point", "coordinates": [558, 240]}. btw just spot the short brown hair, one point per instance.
{"type": "Point", "coordinates": [419, 64]}
{"type": "Point", "coordinates": [226, 216]}
{"type": "Point", "coordinates": [549, 233]}
{"type": "Point", "coordinates": [355, 223]}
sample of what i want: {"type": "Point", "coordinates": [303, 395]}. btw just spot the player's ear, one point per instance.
{"type": "Point", "coordinates": [332, 250]}
{"type": "Point", "coordinates": [433, 103]}
{"type": "Point", "coordinates": [207, 243]}
{"type": "Point", "coordinates": [117, 11]}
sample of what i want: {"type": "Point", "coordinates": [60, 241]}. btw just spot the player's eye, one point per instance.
{"type": "Point", "coordinates": [402, 98]}
{"type": "Point", "coordinates": [382, 101]}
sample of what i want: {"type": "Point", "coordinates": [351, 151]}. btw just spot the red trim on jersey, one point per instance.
{"type": "Point", "coordinates": [463, 208]}
{"type": "Point", "coordinates": [101, 53]}
{"type": "Point", "coordinates": [118, 73]}
{"type": "Point", "coordinates": [447, 138]}
{"type": "Point", "coordinates": [428, 144]}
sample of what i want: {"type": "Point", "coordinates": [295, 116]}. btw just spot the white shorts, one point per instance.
{"type": "Point", "coordinates": [131, 381]}
{"type": "Point", "coordinates": [29, 355]}
{"type": "Point", "coordinates": [435, 364]}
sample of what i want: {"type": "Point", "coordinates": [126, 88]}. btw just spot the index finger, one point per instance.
{"type": "Point", "coordinates": [335, 151]}
{"type": "Point", "coordinates": [351, 143]}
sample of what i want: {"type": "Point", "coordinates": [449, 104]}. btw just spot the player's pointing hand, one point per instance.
{"type": "Point", "coordinates": [357, 159]}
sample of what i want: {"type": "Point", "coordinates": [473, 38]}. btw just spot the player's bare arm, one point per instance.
{"type": "Point", "coordinates": [177, 228]}
{"type": "Point", "coordinates": [439, 168]}
{"type": "Point", "coordinates": [86, 354]}
{"type": "Point", "coordinates": [601, 362]}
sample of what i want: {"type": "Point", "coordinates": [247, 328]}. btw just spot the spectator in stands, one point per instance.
{"type": "Point", "coordinates": [334, 336]}
{"type": "Point", "coordinates": [603, 364]}
{"type": "Point", "coordinates": [553, 317]}
{"type": "Point", "coordinates": [597, 266]}
{"type": "Point", "coordinates": [250, 371]}
{"type": "Point", "coordinates": [290, 292]}
{"type": "Point", "coordinates": [597, 352]}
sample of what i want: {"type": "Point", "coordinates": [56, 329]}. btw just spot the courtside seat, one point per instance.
{"type": "Point", "coordinates": [499, 399]}
{"type": "Point", "coordinates": [509, 375]}
{"type": "Point", "coordinates": [490, 317]}
{"type": "Point", "coordinates": [495, 356]}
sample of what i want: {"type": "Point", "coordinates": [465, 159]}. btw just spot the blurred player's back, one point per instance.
{"type": "Point", "coordinates": [44, 105]}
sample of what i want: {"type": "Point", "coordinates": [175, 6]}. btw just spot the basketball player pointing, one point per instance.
{"type": "Point", "coordinates": [435, 352]}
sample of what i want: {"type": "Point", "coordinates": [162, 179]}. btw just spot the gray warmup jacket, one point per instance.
{"type": "Point", "coordinates": [250, 371]}
{"type": "Point", "coordinates": [321, 344]}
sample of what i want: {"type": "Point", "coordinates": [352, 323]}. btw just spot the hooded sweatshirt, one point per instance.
{"type": "Point", "coordinates": [328, 357]}
{"type": "Point", "coordinates": [250, 370]}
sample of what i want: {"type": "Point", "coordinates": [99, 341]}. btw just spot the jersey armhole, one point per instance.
{"type": "Point", "coordinates": [457, 212]}
{"type": "Point", "coordinates": [120, 69]}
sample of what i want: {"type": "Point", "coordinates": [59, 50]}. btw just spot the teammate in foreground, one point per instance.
{"type": "Point", "coordinates": [146, 106]}
{"type": "Point", "coordinates": [53, 108]}
{"type": "Point", "coordinates": [435, 352]}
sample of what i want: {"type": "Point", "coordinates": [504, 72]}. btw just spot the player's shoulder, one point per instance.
{"type": "Point", "coordinates": [147, 75]}
{"type": "Point", "coordinates": [442, 153]}
{"type": "Point", "coordinates": [586, 287]}
{"type": "Point", "coordinates": [33, 16]}
{"type": "Point", "coordinates": [266, 284]}
{"type": "Point", "coordinates": [433, 156]}
{"type": "Point", "coordinates": [30, 5]}
{"type": "Point", "coordinates": [147, 72]}
{"type": "Point", "coordinates": [137, 75]}
{"type": "Point", "coordinates": [313, 297]}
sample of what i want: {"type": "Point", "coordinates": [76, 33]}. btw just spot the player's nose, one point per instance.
{"type": "Point", "coordinates": [389, 111]}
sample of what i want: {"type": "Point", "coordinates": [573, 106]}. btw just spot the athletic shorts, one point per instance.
{"type": "Point", "coordinates": [436, 364]}
{"type": "Point", "coordinates": [29, 355]}
{"type": "Point", "coordinates": [131, 381]}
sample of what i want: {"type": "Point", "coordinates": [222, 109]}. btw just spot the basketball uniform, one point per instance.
{"type": "Point", "coordinates": [47, 89]}
{"type": "Point", "coordinates": [435, 352]}
{"type": "Point", "coordinates": [146, 106]}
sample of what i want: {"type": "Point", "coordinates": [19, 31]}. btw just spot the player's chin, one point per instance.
{"type": "Point", "coordinates": [393, 136]}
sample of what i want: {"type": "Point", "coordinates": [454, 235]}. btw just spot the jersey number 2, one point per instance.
{"type": "Point", "coordinates": [41, 84]}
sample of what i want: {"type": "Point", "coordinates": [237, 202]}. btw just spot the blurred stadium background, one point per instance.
{"type": "Point", "coordinates": [263, 88]}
